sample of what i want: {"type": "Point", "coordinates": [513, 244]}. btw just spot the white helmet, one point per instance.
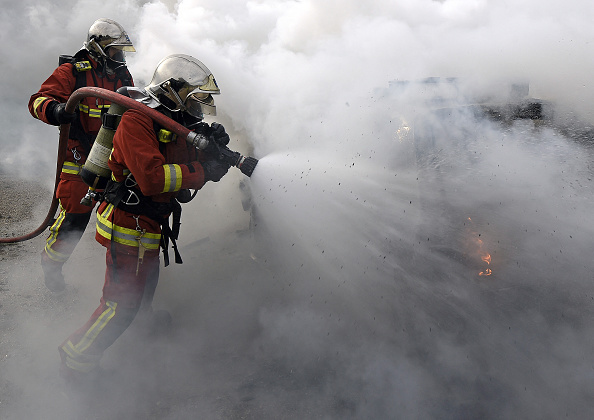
{"type": "Point", "coordinates": [107, 41]}
{"type": "Point", "coordinates": [182, 83]}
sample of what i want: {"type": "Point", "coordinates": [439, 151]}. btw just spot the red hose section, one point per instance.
{"type": "Point", "coordinates": [71, 106]}
{"type": "Point", "coordinates": [129, 103]}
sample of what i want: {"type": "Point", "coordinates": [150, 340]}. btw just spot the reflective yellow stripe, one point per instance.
{"type": "Point", "coordinates": [71, 168]}
{"type": "Point", "coordinates": [51, 240]}
{"type": "Point", "coordinates": [108, 211]}
{"type": "Point", "coordinates": [75, 356]}
{"type": "Point", "coordinates": [56, 226]}
{"type": "Point", "coordinates": [173, 178]}
{"type": "Point", "coordinates": [125, 172]}
{"type": "Point", "coordinates": [36, 104]}
{"type": "Point", "coordinates": [84, 367]}
{"type": "Point", "coordinates": [92, 333]}
{"type": "Point", "coordinates": [93, 112]}
{"type": "Point", "coordinates": [80, 362]}
{"type": "Point", "coordinates": [124, 235]}
{"type": "Point", "coordinates": [55, 255]}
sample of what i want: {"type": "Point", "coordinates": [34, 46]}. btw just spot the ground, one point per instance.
{"type": "Point", "coordinates": [33, 322]}
{"type": "Point", "coordinates": [267, 332]}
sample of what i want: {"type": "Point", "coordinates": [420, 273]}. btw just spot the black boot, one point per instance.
{"type": "Point", "coordinates": [52, 276]}
{"type": "Point", "coordinates": [153, 323]}
{"type": "Point", "coordinates": [161, 322]}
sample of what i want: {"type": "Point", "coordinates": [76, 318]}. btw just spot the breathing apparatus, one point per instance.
{"type": "Point", "coordinates": [245, 164]}
{"type": "Point", "coordinates": [180, 84]}
{"type": "Point", "coordinates": [95, 172]}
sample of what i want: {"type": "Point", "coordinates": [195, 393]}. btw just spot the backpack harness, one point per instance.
{"type": "Point", "coordinates": [80, 66]}
{"type": "Point", "coordinates": [127, 196]}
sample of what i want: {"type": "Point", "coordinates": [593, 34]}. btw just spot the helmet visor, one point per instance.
{"type": "Point", "coordinates": [127, 48]}
{"type": "Point", "coordinates": [122, 42]}
{"type": "Point", "coordinates": [200, 103]}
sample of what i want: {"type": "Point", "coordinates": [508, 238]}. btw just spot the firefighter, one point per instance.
{"type": "Point", "coordinates": [152, 172]}
{"type": "Point", "coordinates": [101, 63]}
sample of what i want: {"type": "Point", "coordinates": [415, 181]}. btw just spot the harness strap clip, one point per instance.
{"type": "Point", "coordinates": [132, 200]}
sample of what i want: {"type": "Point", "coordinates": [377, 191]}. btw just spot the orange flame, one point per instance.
{"type": "Point", "coordinates": [485, 256]}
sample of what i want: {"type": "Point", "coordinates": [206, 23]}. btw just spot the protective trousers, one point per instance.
{"type": "Point", "coordinates": [124, 292]}
{"type": "Point", "coordinates": [69, 226]}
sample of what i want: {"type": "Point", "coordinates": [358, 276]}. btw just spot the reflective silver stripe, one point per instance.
{"type": "Point", "coordinates": [93, 112]}
{"type": "Point", "coordinates": [173, 178]}
{"type": "Point", "coordinates": [71, 168]}
{"type": "Point", "coordinates": [124, 235]}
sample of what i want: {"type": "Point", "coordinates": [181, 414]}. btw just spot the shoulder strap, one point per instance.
{"type": "Point", "coordinates": [80, 66]}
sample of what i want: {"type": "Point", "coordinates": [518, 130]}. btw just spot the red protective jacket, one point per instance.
{"type": "Point", "coordinates": [160, 169]}
{"type": "Point", "coordinates": [59, 86]}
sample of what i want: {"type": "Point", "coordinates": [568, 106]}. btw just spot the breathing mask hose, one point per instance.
{"type": "Point", "coordinates": [245, 164]}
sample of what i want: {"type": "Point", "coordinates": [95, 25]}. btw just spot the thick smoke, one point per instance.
{"type": "Point", "coordinates": [347, 278]}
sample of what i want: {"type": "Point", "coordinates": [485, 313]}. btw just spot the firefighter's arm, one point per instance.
{"type": "Point", "coordinates": [135, 139]}
{"type": "Point", "coordinates": [44, 104]}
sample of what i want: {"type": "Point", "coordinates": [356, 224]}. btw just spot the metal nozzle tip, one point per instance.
{"type": "Point", "coordinates": [248, 165]}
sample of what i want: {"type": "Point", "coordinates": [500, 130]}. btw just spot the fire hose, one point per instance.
{"type": "Point", "coordinates": [245, 164]}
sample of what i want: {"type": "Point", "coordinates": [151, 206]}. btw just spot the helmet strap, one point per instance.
{"type": "Point", "coordinates": [191, 122]}
{"type": "Point", "coordinates": [165, 101]}
{"type": "Point", "coordinates": [173, 96]}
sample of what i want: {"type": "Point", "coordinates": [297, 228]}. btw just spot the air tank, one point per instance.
{"type": "Point", "coordinates": [95, 172]}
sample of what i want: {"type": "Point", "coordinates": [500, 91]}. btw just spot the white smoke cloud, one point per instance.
{"type": "Point", "coordinates": [355, 294]}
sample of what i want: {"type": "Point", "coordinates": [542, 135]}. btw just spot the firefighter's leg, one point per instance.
{"type": "Point", "coordinates": [152, 279]}
{"type": "Point", "coordinates": [65, 233]}
{"type": "Point", "coordinates": [122, 294]}
{"type": "Point", "coordinates": [150, 321]}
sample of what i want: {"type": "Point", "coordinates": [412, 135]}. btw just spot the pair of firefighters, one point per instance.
{"type": "Point", "coordinates": [155, 168]}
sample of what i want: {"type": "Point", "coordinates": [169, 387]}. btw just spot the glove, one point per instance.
{"type": "Point", "coordinates": [63, 117]}
{"type": "Point", "coordinates": [218, 134]}
{"type": "Point", "coordinates": [214, 170]}
{"type": "Point", "coordinates": [184, 196]}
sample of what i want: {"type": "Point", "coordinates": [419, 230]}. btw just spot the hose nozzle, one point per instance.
{"type": "Point", "coordinates": [245, 164]}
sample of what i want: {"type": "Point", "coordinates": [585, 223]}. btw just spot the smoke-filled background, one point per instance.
{"type": "Point", "coordinates": [394, 255]}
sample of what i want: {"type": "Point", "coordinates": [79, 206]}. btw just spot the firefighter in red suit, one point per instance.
{"type": "Point", "coordinates": [152, 172]}
{"type": "Point", "coordinates": [100, 63]}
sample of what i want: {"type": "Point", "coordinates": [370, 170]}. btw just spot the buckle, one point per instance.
{"type": "Point", "coordinates": [83, 65]}
{"type": "Point", "coordinates": [110, 121]}
{"type": "Point", "coordinates": [131, 195]}
{"type": "Point", "coordinates": [166, 136]}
